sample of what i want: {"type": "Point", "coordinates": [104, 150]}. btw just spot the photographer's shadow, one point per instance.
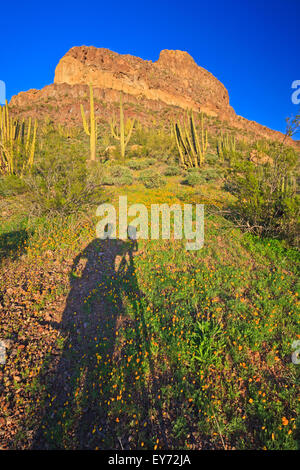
{"type": "Point", "coordinates": [76, 412]}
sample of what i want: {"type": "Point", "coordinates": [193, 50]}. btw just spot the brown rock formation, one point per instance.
{"type": "Point", "coordinates": [173, 81]}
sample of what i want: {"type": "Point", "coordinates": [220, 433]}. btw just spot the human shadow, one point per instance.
{"type": "Point", "coordinates": [81, 385]}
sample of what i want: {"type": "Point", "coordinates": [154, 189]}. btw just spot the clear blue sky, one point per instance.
{"type": "Point", "coordinates": [252, 46]}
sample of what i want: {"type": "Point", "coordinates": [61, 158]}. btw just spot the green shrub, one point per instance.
{"type": "Point", "coordinates": [11, 185]}
{"type": "Point", "coordinates": [151, 161]}
{"type": "Point", "coordinates": [210, 174]}
{"type": "Point", "coordinates": [267, 200]}
{"type": "Point", "coordinates": [118, 176]}
{"type": "Point", "coordinates": [212, 159]}
{"type": "Point", "coordinates": [152, 179]}
{"type": "Point", "coordinates": [172, 171]}
{"type": "Point", "coordinates": [166, 158]}
{"type": "Point", "coordinates": [193, 177]}
{"type": "Point", "coordinates": [125, 180]}
{"type": "Point", "coordinates": [108, 180]}
{"type": "Point", "coordinates": [138, 164]}
{"type": "Point", "coordinates": [155, 143]}
{"type": "Point", "coordinates": [196, 176]}
{"type": "Point", "coordinates": [62, 185]}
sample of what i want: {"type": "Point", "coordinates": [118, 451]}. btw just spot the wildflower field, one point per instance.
{"type": "Point", "coordinates": [141, 345]}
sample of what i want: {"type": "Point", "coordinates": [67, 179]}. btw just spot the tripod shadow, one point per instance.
{"type": "Point", "coordinates": [80, 389]}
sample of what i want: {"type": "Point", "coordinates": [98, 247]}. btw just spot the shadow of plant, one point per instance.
{"type": "Point", "coordinates": [13, 244]}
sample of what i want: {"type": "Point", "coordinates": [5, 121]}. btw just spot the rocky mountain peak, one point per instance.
{"type": "Point", "coordinates": [174, 79]}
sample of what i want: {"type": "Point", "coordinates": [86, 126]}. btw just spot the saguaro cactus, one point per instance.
{"type": "Point", "coordinates": [124, 132]}
{"type": "Point", "coordinates": [191, 149]}
{"type": "Point", "coordinates": [91, 130]}
{"type": "Point", "coordinates": [17, 146]}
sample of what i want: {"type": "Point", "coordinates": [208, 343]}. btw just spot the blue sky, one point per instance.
{"type": "Point", "coordinates": [252, 46]}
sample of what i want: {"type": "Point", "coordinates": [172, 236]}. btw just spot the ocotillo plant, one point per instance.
{"type": "Point", "coordinates": [123, 133]}
{"type": "Point", "coordinates": [91, 130]}
{"type": "Point", "coordinates": [191, 149]}
{"type": "Point", "coordinates": [17, 146]}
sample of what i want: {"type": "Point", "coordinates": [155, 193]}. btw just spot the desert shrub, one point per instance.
{"type": "Point", "coordinates": [151, 161]}
{"type": "Point", "coordinates": [152, 179]}
{"type": "Point", "coordinates": [267, 201]}
{"type": "Point", "coordinates": [212, 159]}
{"type": "Point", "coordinates": [118, 176]}
{"type": "Point", "coordinates": [210, 174]}
{"type": "Point", "coordinates": [62, 185]}
{"type": "Point", "coordinates": [172, 171]}
{"type": "Point", "coordinates": [108, 180]}
{"type": "Point", "coordinates": [137, 151]}
{"type": "Point", "coordinates": [262, 145]}
{"type": "Point", "coordinates": [138, 164]}
{"type": "Point", "coordinates": [156, 143]}
{"type": "Point", "coordinates": [196, 176]}
{"type": "Point", "coordinates": [166, 158]}
{"type": "Point", "coordinates": [11, 185]}
{"type": "Point", "coordinates": [193, 177]}
{"type": "Point", "coordinates": [125, 180]}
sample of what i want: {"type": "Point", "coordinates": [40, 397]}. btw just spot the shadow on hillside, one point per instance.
{"type": "Point", "coordinates": [12, 244]}
{"type": "Point", "coordinates": [87, 404]}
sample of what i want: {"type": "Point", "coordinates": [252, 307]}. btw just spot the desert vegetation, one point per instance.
{"type": "Point", "coordinates": [143, 345]}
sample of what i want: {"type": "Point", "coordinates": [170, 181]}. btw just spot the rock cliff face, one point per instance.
{"type": "Point", "coordinates": [175, 79]}
{"type": "Point", "coordinates": [172, 83]}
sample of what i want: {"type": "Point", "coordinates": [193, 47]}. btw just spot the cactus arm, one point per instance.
{"type": "Point", "coordinates": [92, 131]}
{"type": "Point", "coordinates": [23, 132]}
{"type": "Point", "coordinates": [129, 133]}
{"type": "Point", "coordinates": [32, 149]}
{"type": "Point", "coordinates": [84, 121]}
{"type": "Point", "coordinates": [28, 135]}
{"type": "Point", "coordinates": [192, 139]}
{"type": "Point", "coordinates": [113, 129]}
{"type": "Point", "coordinates": [198, 146]}
{"type": "Point", "coordinates": [183, 144]}
{"type": "Point", "coordinates": [123, 134]}
{"type": "Point", "coordinates": [181, 137]}
{"type": "Point", "coordinates": [93, 126]}
{"type": "Point", "coordinates": [176, 131]}
{"type": "Point", "coordinates": [7, 120]}
{"type": "Point", "coordinates": [122, 130]}
{"type": "Point", "coordinates": [190, 149]}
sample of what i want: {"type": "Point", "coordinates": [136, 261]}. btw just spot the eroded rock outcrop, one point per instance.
{"type": "Point", "coordinates": [171, 83]}
{"type": "Point", "coordinates": [175, 79]}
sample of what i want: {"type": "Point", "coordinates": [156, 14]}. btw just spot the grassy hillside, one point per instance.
{"type": "Point", "coordinates": [113, 344]}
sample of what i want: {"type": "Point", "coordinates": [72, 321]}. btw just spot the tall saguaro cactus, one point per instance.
{"type": "Point", "coordinates": [17, 145]}
{"type": "Point", "coordinates": [192, 149]}
{"type": "Point", "coordinates": [124, 132]}
{"type": "Point", "coordinates": [91, 130]}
